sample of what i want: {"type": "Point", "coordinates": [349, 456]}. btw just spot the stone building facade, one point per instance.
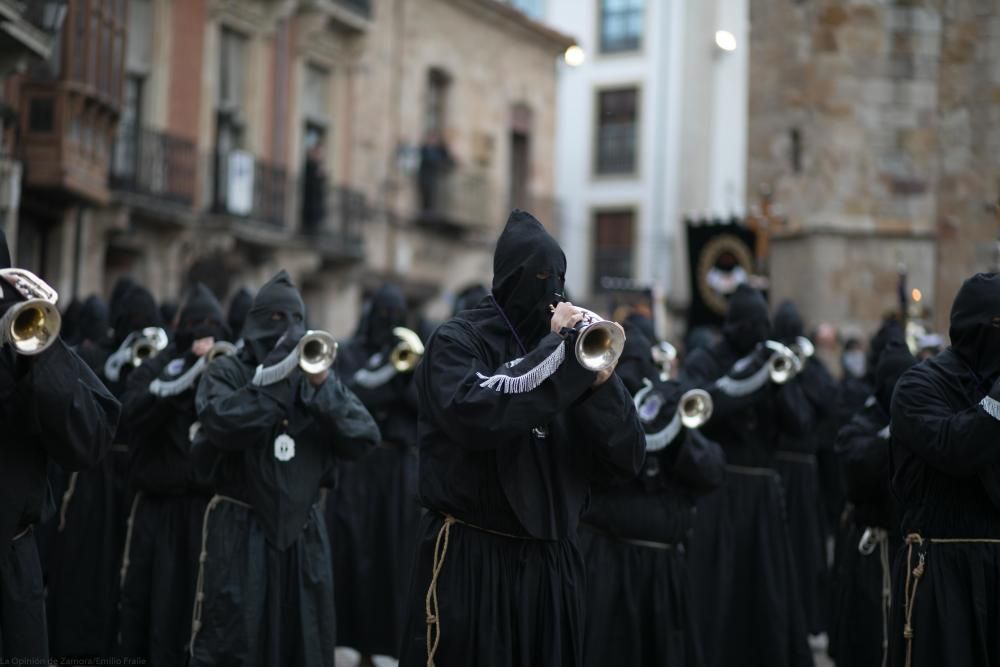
{"type": "Point", "coordinates": [873, 124]}
{"type": "Point", "coordinates": [253, 135]}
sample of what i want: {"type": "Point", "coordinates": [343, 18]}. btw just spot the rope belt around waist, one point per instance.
{"type": "Point", "coordinates": [199, 595]}
{"type": "Point", "coordinates": [915, 573]}
{"type": "Point", "coordinates": [440, 551]}
{"type": "Point", "coordinates": [129, 531]}
{"type": "Point", "coordinates": [23, 533]}
{"type": "Point", "coordinates": [796, 457]}
{"type": "Point", "coordinates": [751, 470]}
{"type": "Point", "coordinates": [646, 544]}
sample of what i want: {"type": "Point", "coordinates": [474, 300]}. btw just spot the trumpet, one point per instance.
{"type": "Point", "coordinates": [599, 342]}
{"type": "Point", "coordinates": [664, 356]}
{"type": "Point", "coordinates": [220, 349]}
{"type": "Point", "coordinates": [408, 353]}
{"type": "Point", "coordinates": [695, 408]}
{"type": "Point", "coordinates": [783, 364]}
{"type": "Point", "coordinates": [316, 351]}
{"type": "Point", "coordinates": [151, 341]}
{"type": "Point", "coordinates": [31, 326]}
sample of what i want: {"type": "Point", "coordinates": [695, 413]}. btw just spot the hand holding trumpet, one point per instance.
{"type": "Point", "coordinates": [599, 343]}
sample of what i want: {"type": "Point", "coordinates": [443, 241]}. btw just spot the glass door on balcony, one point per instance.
{"type": "Point", "coordinates": [124, 165]}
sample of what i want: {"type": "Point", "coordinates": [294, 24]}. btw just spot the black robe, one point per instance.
{"type": "Point", "coordinates": [51, 407]}
{"type": "Point", "coordinates": [268, 586]}
{"type": "Point", "coordinates": [944, 461]}
{"type": "Point", "coordinates": [741, 560]}
{"type": "Point", "coordinates": [374, 513]}
{"type": "Point", "coordinates": [510, 600]}
{"type": "Point", "coordinates": [859, 578]}
{"type": "Point", "coordinates": [164, 526]}
{"type": "Point", "coordinates": [639, 611]}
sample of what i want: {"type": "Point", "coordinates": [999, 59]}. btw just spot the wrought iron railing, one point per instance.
{"type": "Point", "coordinates": [246, 187]}
{"type": "Point", "coordinates": [154, 163]}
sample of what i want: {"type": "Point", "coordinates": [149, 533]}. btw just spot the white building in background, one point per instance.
{"type": "Point", "coordinates": [652, 126]}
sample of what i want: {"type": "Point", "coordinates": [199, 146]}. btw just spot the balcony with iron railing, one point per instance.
{"type": "Point", "coordinates": [247, 189]}
{"type": "Point", "coordinates": [154, 164]}
{"type": "Point", "coordinates": [455, 198]}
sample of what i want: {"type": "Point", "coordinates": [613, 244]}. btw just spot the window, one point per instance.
{"type": "Point", "coordinates": [617, 127]}
{"type": "Point", "coordinates": [435, 113]}
{"type": "Point", "coordinates": [613, 241]}
{"type": "Point", "coordinates": [127, 142]}
{"type": "Point", "coordinates": [232, 61]}
{"type": "Point", "coordinates": [532, 8]}
{"type": "Point", "coordinates": [621, 25]}
{"type": "Point", "coordinates": [795, 150]}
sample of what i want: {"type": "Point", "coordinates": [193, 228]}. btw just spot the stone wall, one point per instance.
{"type": "Point", "coordinates": [892, 102]}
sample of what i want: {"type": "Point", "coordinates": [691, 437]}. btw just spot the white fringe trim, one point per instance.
{"type": "Point", "coordinates": [657, 441]}
{"type": "Point", "coordinates": [744, 386]}
{"type": "Point", "coordinates": [269, 375]}
{"type": "Point", "coordinates": [871, 401]}
{"type": "Point", "coordinates": [886, 432]}
{"type": "Point", "coordinates": [371, 379]}
{"type": "Point", "coordinates": [646, 405]}
{"type": "Point", "coordinates": [522, 384]}
{"type": "Point", "coordinates": [123, 355]}
{"type": "Point", "coordinates": [991, 406]}
{"type": "Point", "coordinates": [161, 388]}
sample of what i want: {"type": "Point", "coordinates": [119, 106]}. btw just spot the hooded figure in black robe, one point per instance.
{"type": "Point", "coordinates": [52, 407]}
{"type": "Point", "coordinates": [85, 558]}
{"type": "Point", "coordinates": [639, 611]}
{"type": "Point", "coordinates": [745, 589]}
{"type": "Point", "coordinates": [374, 513]}
{"type": "Point", "coordinates": [946, 476]}
{"type": "Point", "coordinates": [796, 460]}
{"type": "Point", "coordinates": [865, 548]}
{"type": "Point", "coordinates": [268, 438]}
{"type": "Point", "coordinates": [511, 434]}
{"type": "Point", "coordinates": [160, 558]}
{"type": "Point", "coordinates": [239, 306]}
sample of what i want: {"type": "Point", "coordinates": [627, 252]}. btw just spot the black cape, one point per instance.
{"type": "Point", "coordinates": [510, 442]}
{"type": "Point", "coordinates": [944, 473]}
{"type": "Point", "coordinates": [374, 513]}
{"type": "Point", "coordinates": [639, 611]}
{"type": "Point", "coordinates": [268, 586]}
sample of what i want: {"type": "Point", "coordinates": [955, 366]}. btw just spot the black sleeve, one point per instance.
{"type": "Point", "coordinates": [957, 443]}
{"type": "Point", "coordinates": [71, 412]}
{"type": "Point", "coordinates": [865, 458]}
{"type": "Point", "coordinates": [340, 414]}
{"type": "Point", "coordinates": [478, 405]}
{"type": "Point", "coordinates": [796, 415]}
{"type": "Point", "coordinates": [607, 423]}
{"type": "Point", "coordinates": [700, 464]}
{"type": "Point", "coordinates": [235, 414]}
{"type": "Point", "coordinates": [141, 409]}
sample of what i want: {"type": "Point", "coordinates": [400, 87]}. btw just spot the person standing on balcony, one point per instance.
{"type": "Point", "coordinates": [52, 407]}
{"type": "Point", "coordinates": [269, 437]}
{"type": "Point", "coordinates": [373, 514]}
{"type": "Point", "coordinates": [314, 189]}
{"type": "Point", "coordinates": [435, 163]}
{"type": "Point", "coordinates": [512, 430]}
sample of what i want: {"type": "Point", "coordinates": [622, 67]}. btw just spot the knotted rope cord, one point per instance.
{"type": "Point", "coordinates": [67, 496]}
{"type": "Point", "coordinates": [883, 552]}
{"type": "Point", "coordinates": [913, 574]}
{"type": "Point", "coordinates": [128, 540]}
{"type": "Point", "coordinates": [199, 595]}
{"type": "Point", "coordinates": [431, 599]}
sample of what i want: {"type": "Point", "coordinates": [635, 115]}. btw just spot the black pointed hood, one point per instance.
{"type": "Point", "coordinates": [277, 307]}
{"type": "Point", "coordinates": [238, 309]}
{"type": "Point", "coordinates": [93, 326]}
{"type": "Point", "coordinates": [134, 309]}
{"type": "Point", "coordinates": [200, 316]}
{"type": "Point", "coordinates": [529, 271]}
{"type": "Point", "coordinates": [386, 312]}
{"type": "Point", "coordinates": [788, 323]}
{"type": "Point", "coordinates": [895, 360]}
{"type": "Point", "coordinates": [747, 322]}
{"type": "Point", "coordinates": [975, 324]}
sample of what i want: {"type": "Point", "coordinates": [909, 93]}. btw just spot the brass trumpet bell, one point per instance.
{"type": "Point", "coordinates": [783, 364]}
{"type": "Point", "coordinates": [599, 343]}
{"type": "Point", "coordinates": [30, 327]}
{"type": "Point", "coordinates": [695, 408]}
{"type": "Point", "coordinates": [317, 350]}
{"type": "Point", "coordinates": [408, 353]}
{"type": "Point", "coordinates": [150, 343]}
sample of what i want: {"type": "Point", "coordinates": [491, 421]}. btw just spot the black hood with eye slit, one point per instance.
{"type": "Point", "coordinates": [787, 325]}
{"type": "Point", "coordinates": [975, 324]}
{"type": "Point", "coordinates": [133, 310]}
{"type": "Point", "coordinates": [386, 311]}
{"type": "Point", "coordinates": [524, 252]}
{"type": "Point", "coordinates": [260, 331]}
{"type": "Point", "coordinates": [200, 316]}
{"type": "Point", "coordinates": [747, 322]}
